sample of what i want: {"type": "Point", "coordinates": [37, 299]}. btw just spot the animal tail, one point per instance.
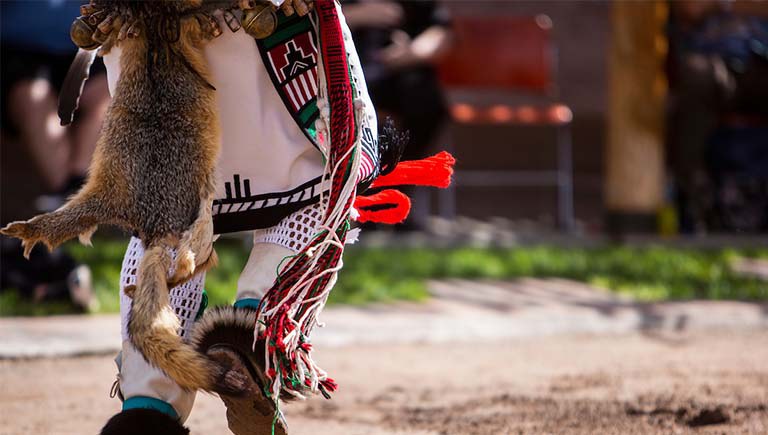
{"type": "Point", "coordinates": [78, 218]}
{"type": "Point", "coordinates": [153, 327]}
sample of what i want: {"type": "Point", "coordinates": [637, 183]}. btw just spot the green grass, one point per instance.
{"type": "Point", "coordinates": [389, 274]}
{"type": "Point", "coordinates": [650, 273]}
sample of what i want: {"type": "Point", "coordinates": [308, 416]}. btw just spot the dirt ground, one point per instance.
{"type": "Point", "coordinates": [703, 384]}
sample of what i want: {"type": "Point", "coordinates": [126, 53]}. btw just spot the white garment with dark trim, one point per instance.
{"type": "Point", "coordinates": [268, 166]}
{"type": "Point", "coordinates": [264, 153]}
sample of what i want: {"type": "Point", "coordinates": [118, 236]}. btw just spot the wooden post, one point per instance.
{"type": "Point", "coordinates": [634, 188]}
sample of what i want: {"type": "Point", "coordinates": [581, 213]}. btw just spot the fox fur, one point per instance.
{"type": "Point", "coordinates": [153, 174]}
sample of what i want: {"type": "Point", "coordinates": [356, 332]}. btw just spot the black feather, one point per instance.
{"type": "Point", "coordinates": [392, 143]}
{"type": "Point", "coordinates": [72, 88]}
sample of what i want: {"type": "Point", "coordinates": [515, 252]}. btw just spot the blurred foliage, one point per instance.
{"type": "Point", "coordinates": [646, 273]}
{"type": "Point", "coordinates": [11, 304]}
{"type": "Point", "coordinates": [390, 274]}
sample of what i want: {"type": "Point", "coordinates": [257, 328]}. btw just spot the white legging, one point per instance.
{"type": "Point", "coordinates": [270, 247]}
{"type": "Point", "coordinates": [137, 377]}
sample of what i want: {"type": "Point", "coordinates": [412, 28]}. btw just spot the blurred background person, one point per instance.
{"type": "Point", "coordinates": [40, 157]}
{"type": "Point", "coordinates": [718, 125]}
{"type": "Point", "coordinates": [398, 43]}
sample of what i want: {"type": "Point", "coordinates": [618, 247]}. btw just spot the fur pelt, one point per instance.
{"type": "Point", "coordinates": [153, 173]}
{"type": "Point", "coordinates": [226, 335]}
{"type": "Point", "coordinates": [232, 328]}
{"type": "Point", "coordinates": [225, 324]}
{"type": "Point", "coordinates": [143, 422]}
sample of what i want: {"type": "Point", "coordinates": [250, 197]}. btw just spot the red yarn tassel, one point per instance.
{"type": "Point", "coordinates": [392, 206]}
{"type": "Point", "coordinates": [386, 207]}
{"type": "Point", "coordinates": [433, 171]}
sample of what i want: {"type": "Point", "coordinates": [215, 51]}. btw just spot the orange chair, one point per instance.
{"type": "Point", "coordinates": [497, 56]}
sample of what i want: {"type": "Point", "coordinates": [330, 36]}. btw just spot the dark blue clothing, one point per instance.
{"type": "Point", "coordinates": [736, 39]}
{"type": "Point", "coordinates": [36, 25]}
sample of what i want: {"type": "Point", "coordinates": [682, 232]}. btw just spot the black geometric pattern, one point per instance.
{"type": "Point", "coordinates": [241, 211]}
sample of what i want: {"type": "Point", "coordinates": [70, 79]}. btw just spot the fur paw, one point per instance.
{"type": "Point", "coordinates": [85, 236]}
{"type": "Point", "coordinates": [233, 379]}
{"type": "Point", "coordinates": [211, 262]}
{"type": "Point", "coordinates": [129, 290]}
{"type": "Point", "coordinates": [185, 266]}
{"type": "Point", "coordinates": [27, 232]}
{"type": "Point", "coordinates": [250, 411]}
{"type": "Point", "coordinates": [178, 279]}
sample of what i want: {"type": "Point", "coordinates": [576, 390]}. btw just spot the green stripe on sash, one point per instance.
{"type": "Point", "coordinates": [289, 28]}
{"type": "Point", "coordinates": [308, 114]}
{"type": "Point", "coordinates": [286, 33]}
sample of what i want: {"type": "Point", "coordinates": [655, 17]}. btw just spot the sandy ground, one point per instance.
{"type": "Point", "coordinates": [708, 384]}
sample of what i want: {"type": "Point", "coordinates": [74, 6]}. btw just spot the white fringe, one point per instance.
{"type": "Point", "coordinates": [337, 217]}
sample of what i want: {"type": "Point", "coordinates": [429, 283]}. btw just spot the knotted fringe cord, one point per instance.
{"type": "Point", "coordinates": [289, 310]}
